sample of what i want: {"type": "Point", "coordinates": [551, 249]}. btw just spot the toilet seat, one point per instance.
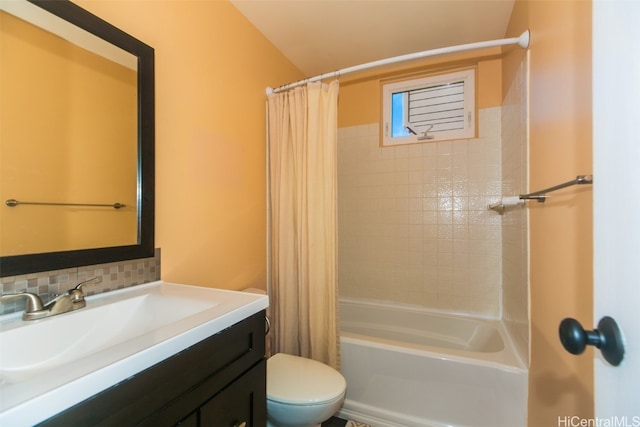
{"type": "Point", "coordinates": [300, 381]}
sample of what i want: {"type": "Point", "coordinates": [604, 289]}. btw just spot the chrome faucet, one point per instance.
{"type": "Point", "coordinates": [72, 299]}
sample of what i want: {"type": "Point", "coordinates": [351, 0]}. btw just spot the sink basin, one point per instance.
{"type": "Point", "coordinates": [56, 362]}
{"type": "Point", "coordinates": [49, 343]}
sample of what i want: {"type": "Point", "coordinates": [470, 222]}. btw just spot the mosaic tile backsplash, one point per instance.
{"type": "Point", "coordinates": [48, 284]}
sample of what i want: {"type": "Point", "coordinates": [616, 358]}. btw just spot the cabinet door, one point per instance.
{"type": "Point", "coordinates": [190, 421]}
{"type": "Point", "coordinates": [243, 401]}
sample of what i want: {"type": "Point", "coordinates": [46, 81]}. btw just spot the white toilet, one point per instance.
{"type": "Point", "coordinates": [301, 392]}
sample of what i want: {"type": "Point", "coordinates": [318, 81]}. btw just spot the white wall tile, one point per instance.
{"type": "Point", "coordinates": [429, 225]}
{"type": "Point", "coordinates": [515, 270]}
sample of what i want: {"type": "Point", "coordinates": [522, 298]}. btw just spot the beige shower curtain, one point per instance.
{"type": "Point", "coordinates": [303, 220]}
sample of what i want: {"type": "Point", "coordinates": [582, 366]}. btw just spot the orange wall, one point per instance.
{"type": "Point", "coordinates": [359, 101]}
{"type": "Point", "coordinates": [212, 67]}
{"type": "Point", "coordinates": [561, 280]}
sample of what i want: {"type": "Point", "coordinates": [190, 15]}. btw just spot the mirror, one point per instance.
{"type": "Point", "coordinates": [77, 140]}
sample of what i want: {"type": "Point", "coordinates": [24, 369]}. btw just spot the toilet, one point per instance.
{"type": "Point", "coordinates": [301, 392]}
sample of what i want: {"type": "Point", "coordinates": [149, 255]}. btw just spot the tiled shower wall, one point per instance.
{"type": "Point", "coordinates": [413, 221]}
{"type": "Point", "coordinates": [515, 242]}
{"type": "Point", "coordinates": [116, 275]}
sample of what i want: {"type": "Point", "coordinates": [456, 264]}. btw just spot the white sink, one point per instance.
{"type": "Point", "coordinates": [35, 346]}
{"type": "Point", "coordinates": [50, 364]}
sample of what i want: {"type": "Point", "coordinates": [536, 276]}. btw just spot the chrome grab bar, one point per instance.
{"type": "Point", "coordinates": [540, 195]}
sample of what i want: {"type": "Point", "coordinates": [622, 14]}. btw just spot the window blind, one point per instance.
{"type": "Point", "coordinates": [441, 106]}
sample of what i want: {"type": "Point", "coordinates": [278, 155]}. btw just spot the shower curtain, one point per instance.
{"type": "Point", "coordinates": [303, 220]}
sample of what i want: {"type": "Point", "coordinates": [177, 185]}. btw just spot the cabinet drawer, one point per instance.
{"type": "Point", "coordinates": [163, 394]}
{"type": "Point", "coordinates": [243, 401]}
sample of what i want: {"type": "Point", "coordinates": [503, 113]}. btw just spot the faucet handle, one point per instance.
{"type": "Point", "coordinates": [83, 283]}
{"type": "Point", "coordinates": [77, 294]}
{"type": "Point", "coordinates": [34, 303]}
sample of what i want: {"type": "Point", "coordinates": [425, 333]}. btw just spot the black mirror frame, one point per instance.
{"type": "Point", "coordinates": [31, 263]}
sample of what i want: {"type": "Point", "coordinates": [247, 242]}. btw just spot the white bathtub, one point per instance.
{"type": "Point", "coordinates": [410, 367]}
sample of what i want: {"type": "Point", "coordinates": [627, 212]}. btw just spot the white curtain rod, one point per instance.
{"type": "Point", "coordinates": [522, 41]}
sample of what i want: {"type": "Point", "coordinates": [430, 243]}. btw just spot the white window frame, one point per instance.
{"type": "Point", "coordinates": [467, 122]}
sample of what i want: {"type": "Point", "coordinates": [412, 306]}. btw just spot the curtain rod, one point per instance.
{"type": "Point", "coordinates": [522, 41]}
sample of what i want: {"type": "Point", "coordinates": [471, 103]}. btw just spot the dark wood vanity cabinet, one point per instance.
{"type": "Point", "coordinates": [218, 382]}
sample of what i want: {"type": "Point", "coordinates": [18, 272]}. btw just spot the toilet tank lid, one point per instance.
{"type": "Point", "coordinates": [297, 380]}
{"type": "Point", "coordinates": [255, 291]}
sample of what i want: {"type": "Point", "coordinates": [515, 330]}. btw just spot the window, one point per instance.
{"type": "Point", "coordinates": [433, 108]}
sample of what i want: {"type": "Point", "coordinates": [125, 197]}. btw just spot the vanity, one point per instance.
{"type": "Point", "coordinates": [158, 354]}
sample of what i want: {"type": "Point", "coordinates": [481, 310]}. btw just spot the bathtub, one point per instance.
{"type": "Point", "coordinates": [410, 367]}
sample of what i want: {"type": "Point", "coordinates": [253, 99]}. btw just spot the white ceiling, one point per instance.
{"type": "Point", "coordinates": [320, 36]}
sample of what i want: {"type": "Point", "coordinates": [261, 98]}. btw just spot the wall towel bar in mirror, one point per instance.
{"type": "Point", "coordinates": [13, 203]}
{"type": "Point", "coordinates": [540, 195]}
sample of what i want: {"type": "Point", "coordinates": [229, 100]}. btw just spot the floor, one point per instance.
{"type": "Point", "coordinates": [334, 422]}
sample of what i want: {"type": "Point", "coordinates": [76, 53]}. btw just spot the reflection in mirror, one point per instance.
{"type": "Point", "coordinates": [77, 132]}
{"type": "Point", "coordinates": [83, 149]}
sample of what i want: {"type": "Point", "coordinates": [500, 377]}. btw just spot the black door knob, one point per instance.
{"type": "Point", "coordinates": [607, 338]}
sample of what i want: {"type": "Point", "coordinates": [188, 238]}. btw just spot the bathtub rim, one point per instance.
{"type": "Point", "coordinates": [418, 308]}
{"type": "Point", "coordinates": [369, 415]}
{"type": "Point", "coordinates": [507, 359]}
